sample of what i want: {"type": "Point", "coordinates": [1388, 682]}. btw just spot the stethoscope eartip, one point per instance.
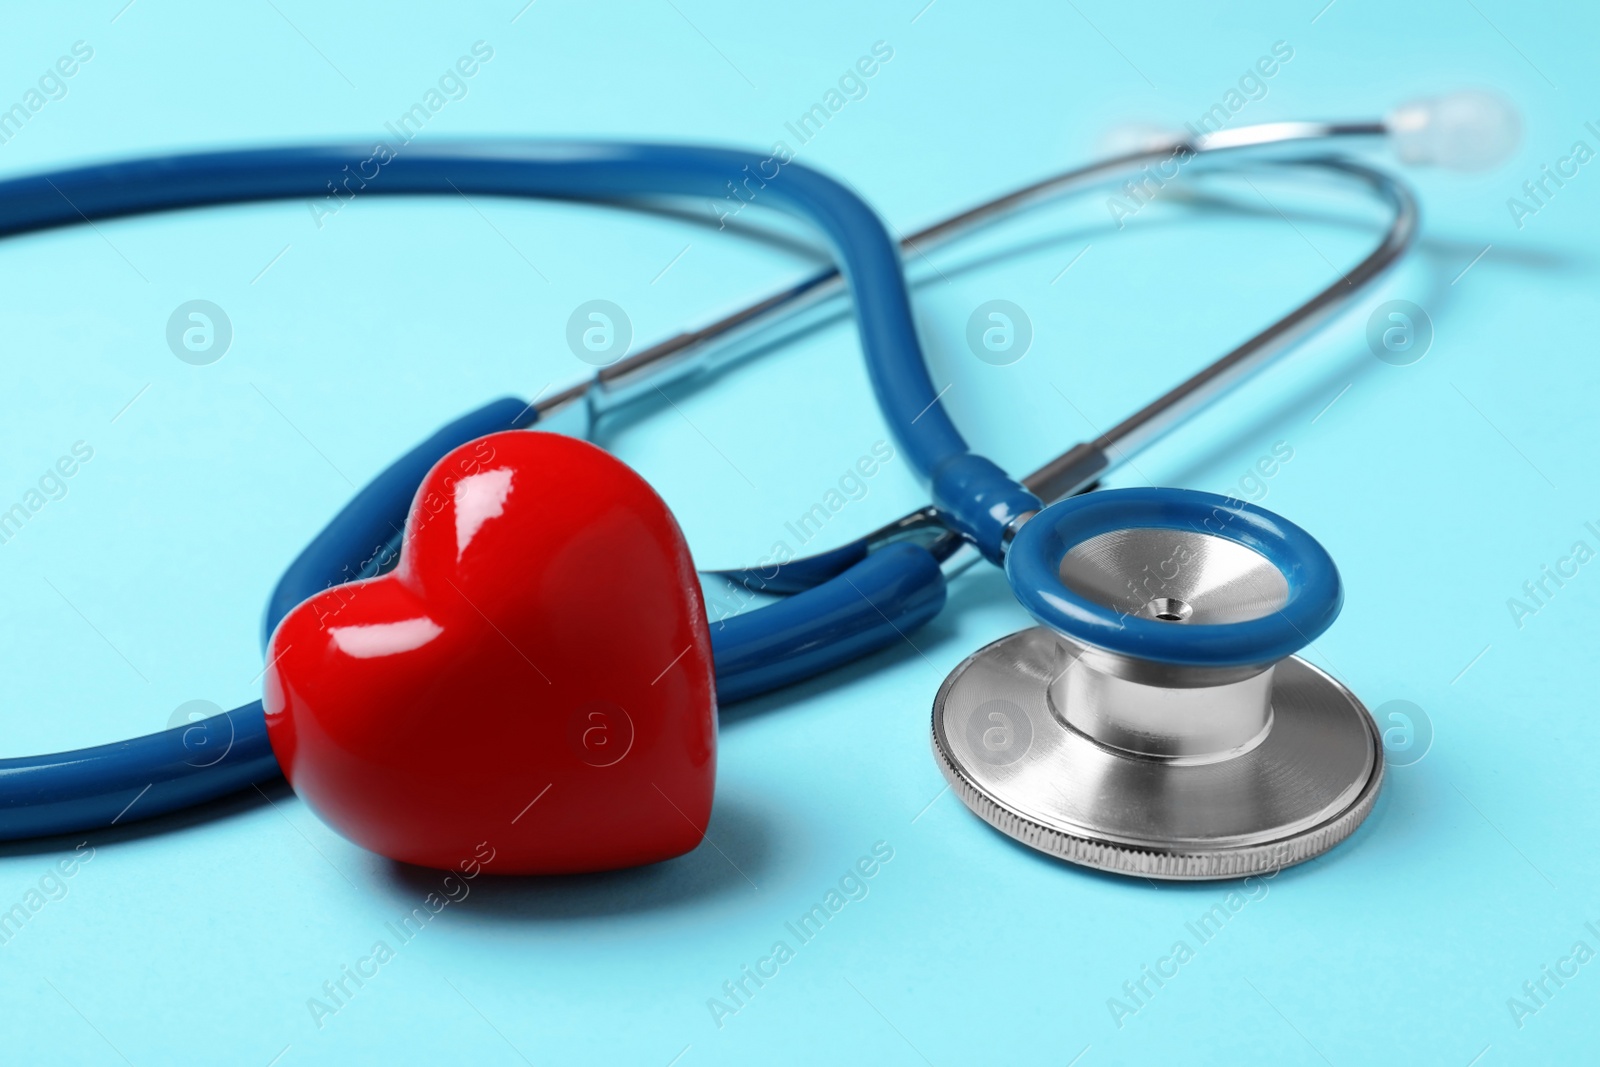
{"type": "Point", "coordinates": [1469, 130]}
{"type": "Point", "coordinates": [1159, 723]}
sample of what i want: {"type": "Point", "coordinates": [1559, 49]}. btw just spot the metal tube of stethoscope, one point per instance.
{"type": "Point", "coordinates": [1466, 131]}
{"type": "Point", "coordinates": [818, 299]}
{"type": "Point", "coordinates": [1082, 465]}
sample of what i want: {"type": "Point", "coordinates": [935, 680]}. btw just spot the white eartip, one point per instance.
{"type": "Point", "coordinates": [1468, 130]}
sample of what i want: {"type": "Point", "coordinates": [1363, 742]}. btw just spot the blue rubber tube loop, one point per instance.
{"type": "Point", "coordinates": [870, 606]}
{"type": "Point", "coordinates": [68, 792]}
{"type": "Point", "coordinates": [796, 576]}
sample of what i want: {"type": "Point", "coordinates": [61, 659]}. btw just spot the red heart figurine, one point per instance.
{"type": "Point", "coordinates": [535, 674]}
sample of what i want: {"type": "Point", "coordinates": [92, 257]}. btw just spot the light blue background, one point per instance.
{"type": "Point", "coordinates": [1440, 488]}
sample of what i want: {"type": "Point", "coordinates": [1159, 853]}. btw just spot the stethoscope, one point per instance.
{"type": "Point", "coordinates": [1158, 721]}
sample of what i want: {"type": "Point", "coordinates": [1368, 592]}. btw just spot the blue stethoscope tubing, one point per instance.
{"type": "Point", "coordinates": [891, 590]}
{"type": "Point", "coordinates": [836, 607]}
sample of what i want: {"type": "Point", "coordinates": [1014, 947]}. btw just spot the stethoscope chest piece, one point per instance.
{"type": "Point", "coordinates": [1159, 724]}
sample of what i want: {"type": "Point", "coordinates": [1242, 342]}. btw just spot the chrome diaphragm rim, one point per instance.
{"type": "Point", "coordinates": [1284, 800]}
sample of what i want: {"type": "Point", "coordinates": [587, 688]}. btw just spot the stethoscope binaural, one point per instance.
{"type": "Point", "coordinates": [1158, 722]}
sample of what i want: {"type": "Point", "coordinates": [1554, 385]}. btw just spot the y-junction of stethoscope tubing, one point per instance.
{"type": "Point", "coordinates": [768, 322]}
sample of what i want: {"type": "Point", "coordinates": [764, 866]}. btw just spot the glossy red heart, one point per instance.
{"type": "Point", "coordinates": [535, 674]}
